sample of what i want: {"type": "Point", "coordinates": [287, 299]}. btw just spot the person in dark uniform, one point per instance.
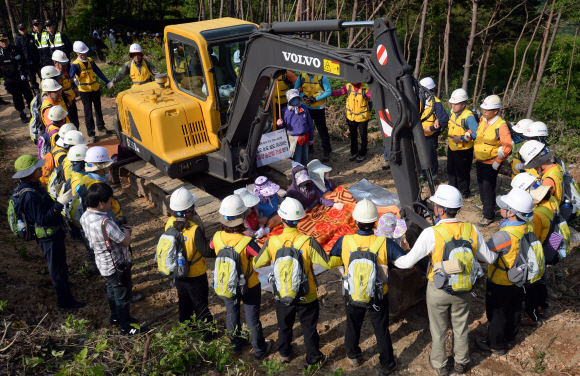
{"type": "Point", "coordinates": [28, 46]}
{"type": "Point", "coordinates": [51, 41]}
{"type": "Point", "coordinates": [42, 211]}
{"type": "Point", "coordinates": [14, 71]}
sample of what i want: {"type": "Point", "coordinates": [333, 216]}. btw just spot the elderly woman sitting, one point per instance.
{"type": "Point", "coordinates": [320, 175]}
{"type": "Point", "coordinates": [305, 191]}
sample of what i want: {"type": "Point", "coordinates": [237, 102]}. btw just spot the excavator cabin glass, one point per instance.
{"type": "Point", "coordinates": [187, 69]}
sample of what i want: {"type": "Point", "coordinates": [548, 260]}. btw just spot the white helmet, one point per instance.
{"type": "Point", "coordinates": [135, 48]}
{"type": "Point", "coordinates": [491, 103]}
{"type": "Point", "coordinates": [74, 137]}
{"type": "Point", "coordinates": [536, 129]}
{"type": "Point", "coordinates": [459, 96]}
{"type": "Point", "coordinates": [59, 56]}
{"type": "Point", "coordinates": [237, 59]}
{"type": "Point", "coordinates": [182, 199]}
{"type": "Point", "coordinates": [427, 82]}
{"type": "Point", "coordinates": [77, 153]}
{"type": "Point", "coordinates": [50, 85]}
{"type": "Point", "coordinates": [49, 71]}
{"type": "Point", "coordinates": [519, 202]}
{"type": "Point", "coordinates": [534, 154]}
{"type": "Point", "coordinates": [111, 30]}
{"type": "Point", "coordinates": [291, 210]}
{"type": "Point", "coordinates": [65, 128]}
{"type": "Point", "coordinates": [128, 34]}
{"type": "Point", "coordinates": [523, 180]}
{"type": "Point", "coordinates": [156, 34]}
{"type": "Point", "coordinates": [232, 206]}
{"type": "Point", "coordinates": [97, 154]}
{"type": "Point", "coordinates": [522, 125]}
{"type": "Point", "coordinates": [57, 113]}
{"type": "Point", "coordinates": [365, 212]}
{"type": "Point", "coordinates": [144, 33]}
{"type": "Point", "coordinates": [447, 196]}
{"type": "Point", "coordinates": [80, 48]}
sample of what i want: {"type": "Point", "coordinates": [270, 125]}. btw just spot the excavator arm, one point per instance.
{"type": "Point", "coordinates": [275, 48]}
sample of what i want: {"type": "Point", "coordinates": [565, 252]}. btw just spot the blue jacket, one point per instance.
{"type": "Point", "coordinates": [40, 208]}
{"type": "Point", "coordinates": [394, 251]}
{"type": "Point", "coordinates": [325, 83]}
{"type": "Point", "coordinates": [298, 124]}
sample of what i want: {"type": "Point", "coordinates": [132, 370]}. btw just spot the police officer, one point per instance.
{"type": "Point", "coordinates": [51, 41]}
{"type": "Point", "coordinates": [37, 32]}
{"type": "Point", "coordinates": [42, 211]}
{"type": "Point", "coordinates": [28, 46]}
{"type": "Point", "coordinates": [14, 71]}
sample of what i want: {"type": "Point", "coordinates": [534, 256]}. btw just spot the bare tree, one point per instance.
{"type": "Point", "coordinates": [446, 49]}
{"type": "Point", "coordinates": [547, 33]}
{"type": "Point", "coordinates": [467, 65]}
{"type": "Point", "coordinates": [506, 97]}
{"type": "Point", "coordinates": [477, 93]}
{"type": "Point", "coordinates": [354, 14]}
{"type": "Point", "coordinates": [222, 9]}
{"type": "Point", "coordinates": [568, 85]}
{"type": "Point", "coordinates": [543, 66]}
{"type": "Point", "coordinates": [11, 18]}
{"type": "Point", "coordinates": [413, 33]}
{"type": "Point", "coordinates": [421, 36]}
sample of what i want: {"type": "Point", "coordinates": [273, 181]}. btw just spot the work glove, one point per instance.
{"type": "Point", "coordinates": [65, 198]}
{"type": "Point", "coordinates": [467, 136]}
{"type": "Point", "coordinates": [495, 165]}
{"type": "Point", "coordinates": [338, 206]}
{"type": "Point", "coordinates": [266, 230]}
{"type": "Point", "coordinates": [500, 153]}
{"type": "Point", "coordinates": [519, 167]}
{"type": "Point", "coordinates": [260, 233]}
{"type": "Point", "coordinates": [279, 122]}
{"type": "Point", "coordinates": [110, 85]}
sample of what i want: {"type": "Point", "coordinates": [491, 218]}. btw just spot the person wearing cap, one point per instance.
{"type": "Point", "coordinates": [110, 243]}
{"type": "Point", "coordinates": [158, 39]}
{"type": "Point", "coordinates": [51, 41]}
{"type": "Point", "coordinates": [57, 116]}
{"type": "Point", "coordinates": [69, 87]}
{"type": "Point", "coordinates": [267, 192]}
{"type": "Point", "coordinates": [233, 211]}
{"type": "Point", "coordinates": [28, 46]}
{"type": "Point", "coordinates": [305, 191]}
{"type": "Point", "coordinates": [320, 175]}
{"type": "Point", "coordinates": [503, 300]}
{"type": "Point", "coordinates": [307, 308]}
{"type": "Point", "coordinates": [139, 69]}
{"type": "Point", "coordinates": [52, 97]}
{"type": "Point", "coordinates": [41, 210]}
{"type": "Point", "coordinates": [315, 90]}
{"type": "Point", "coordinates": [536, 155]}
{"type": "Point", "coordinates": [14, 71]}
{"type": "Point", "coordinates": [193, 290]}
{"type": "Point", "coordinates": [86, 72]}
{"type": "Point", "coordinates": [492, 146]}
{"type": "Point", "coordinates": [518, 140]}
{"type": "Point", "coordinates": [37, 32]}
{"type": "Point", "coordinates": [365, 215]}
{"type": "Point", "coordinates": [69, 137]}
{"type": "Point", "coordinates": [460, 139]}
{"type": "Point", "coordinates": [436, 120]}
{"type": "Point", "coordinates": [255, 222]}
{"type": "Point", "coordinates": [135, 37]}
{"type": "Point", "coordinates": [441, 306]}
{"type": "Point", "coordinates": [298, 124]}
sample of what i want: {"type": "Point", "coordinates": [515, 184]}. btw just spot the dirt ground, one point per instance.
{"type": "Point", "coordinates": [552, 349]}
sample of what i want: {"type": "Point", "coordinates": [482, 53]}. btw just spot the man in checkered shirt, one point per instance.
{"type": "Point", "coordinates": [99, 200]}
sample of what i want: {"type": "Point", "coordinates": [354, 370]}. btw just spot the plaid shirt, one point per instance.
{"type": "Point", "coordinates": [91, 222]}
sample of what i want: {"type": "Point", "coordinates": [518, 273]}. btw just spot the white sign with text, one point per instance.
{"type": "Point", "coordinates": [273, 148]}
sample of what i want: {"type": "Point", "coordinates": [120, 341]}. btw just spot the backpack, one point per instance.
{"type": "Point", "coordinates": [43, 143]}
{"type": "Point", "coordinates": [229, 279]}
{"type": "Point", "coordinates": [169, 247]}
{"type": "Point", "coordinates": [362, 283]}
{"type": "Point", "coordinates": [55, 182]}
{"type": "Point", "coordinates": [570, 208]}
{"type": "Point", "coordinates": [529, 264]}
{"type": "Point", "coordinates": [17, 221]}
{"type": "Point", "coordinates": [49, 165]}
{"type": "Point", "coordinates": [288, 278]}
{"type": "Point", "coordinates": [77, 206]}
{"type": "Point", "coordinates": [557, 243]}
{"type": "Point", "coordinates": [460, 250]}
{"type": "Point", "coordinates": [36, 126]}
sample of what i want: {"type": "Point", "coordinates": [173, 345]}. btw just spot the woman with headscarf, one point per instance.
{"type": "Point", "coordinates": [298, 123]}
{"type": "Point", "coordinates": [305, 191]}
{"type": "Point", "coordinates": [267, 192]}
{"type": "Point", "coordinates": [319, 174]}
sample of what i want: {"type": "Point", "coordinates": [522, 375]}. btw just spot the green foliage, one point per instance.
{"type": "Point", "coordinates": [3, 304]}
{"type": "Point", "coordinates": [274, 366]}
{"type": "Point", "coordinates": [73, 326]}
{"type": "Point", "coordinates": [22, 252]}
{"type": "Point", "coordinates": [85, 269]}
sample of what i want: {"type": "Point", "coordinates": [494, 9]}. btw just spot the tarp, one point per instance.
{"type": "Point", "coordinates": [379, 195]}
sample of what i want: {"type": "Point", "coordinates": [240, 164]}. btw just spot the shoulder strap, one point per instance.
{"type": "Point", "coordinates": [443, 232]}
{"type": "Point", "coordinates": [514, 232]}
{"type": "Point", "coordinates": [276, 240]}
{"type": "Point", "coordinates": [377, 244]}
{"type": "Point", "coordinates": [546, 212]}
{"type": "Point", "coordinates": [467, 229]}
{"type": "Point", "coordinates": [217, 240]}
{"type": "Point", "coordinates": [301, 240]}
{"type": "Point", "coordinates": [351, 243]}
{"type": "Point", "coordinates": [104, 233]}
{"type": "Point", "coordinates": [243, 244]}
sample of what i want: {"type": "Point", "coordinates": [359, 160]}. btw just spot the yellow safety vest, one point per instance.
{"type": "Point", "coordinates": [191, 251]}
{"type": "Point", "coordinates": [158, 40]}
{"type": "Point", "coordinates": [45, 40]}
{"type": "Point", "coordinates": [357, 104]}
{"type": "Point", "coordinates": [222, 238]}
{"type": "Point", "coordinates": [76, 179]}
{"type": "Point", "coordinates": [86, 76]}
{"type": "Point", "coordinates": [46, 105]}
{"type": "Point", "coordinates": [282, 89]}
{"type": "Point", "coordinates": [487, 142]}
{"type": "Point", "coordinates": [431, 119]}
{"type": "Point", "coordinates": [312, 89]}
{"type": "Point", "coordinates": [374, 243]}
{"type": "Point", "coordinates": [456, 129]}
{"type": "Point", "coordinates": [517, 159]}
{"type": "Point", "coordinates": [495, 274]}
{"type": "Point", "coordinates": [115, 207]}
{"type": "Point", "coordinates": [67, 85]}
{"type": "Point", "coordinates": [555, 174]}
{"type": "Point", "coordinates": [543, 216]}
{"type": "Point", "coordinates": [180, 65]}
{"type": "Point", "coordinates": [139, 78]}
{"type": "Point", "coordinates": [455, 230]}
{"type": "Point", "coordinates": [67, 168]}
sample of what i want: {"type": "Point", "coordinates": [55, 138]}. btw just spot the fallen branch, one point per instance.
{"type": "Point", "coordinates": [146, 349]}
{"type": "Point", "coordinates": [11, 343]}
{"type": "Point", "coordinates": [5, 331]}
{"type": "Point", "coordinates": [37, 325]}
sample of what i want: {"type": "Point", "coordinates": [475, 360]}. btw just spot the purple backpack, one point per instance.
{"type": "Point", "coordinates": [43, 144]}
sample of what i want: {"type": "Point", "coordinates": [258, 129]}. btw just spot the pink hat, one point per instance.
{"type": "Point", "coordinates": [264, 187]}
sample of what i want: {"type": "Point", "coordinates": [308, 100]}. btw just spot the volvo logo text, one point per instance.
{"type": "Point", "coordinates": [303, 60]}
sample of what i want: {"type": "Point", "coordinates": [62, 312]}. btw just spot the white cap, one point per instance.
{"type": "Point", "coordinates": [59, 56]}
{"type": "Point", "coordinates": [521, 126]}
{"type": "Point", "coordinates": [458, 96]}
{"type": "Point", "coordinates": [80, 48]}
{"type": "Point", "coordinates": [491, 103]}
{"type": "Point", "coordinates": [232, 206]}
{"type": "Point", "coordinates": [447, 196]}
{"type": "Point", "coordinates": [523, 180]}
{"type": "Point", "coordinates": [65, 128]}
{"type": "Point", "coordinates": [134, 48]}
{"type": "Point", "coordinates": [74, 137]}
{"type": "Point", "coordinates": [111, 30]}
{"type": "Point", "coordinates": [536, 129]}
{"type": "Point", "coordinates": [427, 82]}
{"type": "Point", "coordinates": [519, 202]}
{"type": "Point", "coordinates": [365, 211]}
{"type": "Point", "coordinates": [50, 85]}
{"type": "Point", "coordinates": [182, 199]}
{"type": "Point", "coordinates": [77, 153]}
{"type": "Point", "coordinates": [97, 154]}
{"type": "Point", "coordinates": [49, 71]}
{"type": "Point", "coordinates": [291, 210]}
{"type": "Point", "coordinates": [57, 113]}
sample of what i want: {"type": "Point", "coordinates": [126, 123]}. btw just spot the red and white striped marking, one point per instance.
{"type": "Point", "coordinates": [385, 116]}
{"type": "Point", "coordinates": [382, 54]}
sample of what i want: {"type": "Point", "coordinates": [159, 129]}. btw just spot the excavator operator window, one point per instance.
{"type": "Point", "coordinates": [226, 58]}
{"type": "Point", "coordinates": [187, 69]}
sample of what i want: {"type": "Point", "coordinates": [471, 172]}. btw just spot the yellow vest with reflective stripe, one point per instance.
{"type": "Point", "coordinates": [487, 142]}
{"type": "Point", "coordinates": [431, 119]}
{"type": "Point", "coordinates": [556, 175]}
{"type": "Point", "coordinates": [67, 86]}
{"type": "Point", "coordinates": [455, 230]}
{"type": "Point", "coordinates": [86, 76]}
{"type": "Point", "coordinates": [222, 238]}
{"type": "Point", "coordinates": [139, 78]}
{"type": "Point", "coordinates": [46, 105]}
{"type": "Point", "coordinates": [357, 105]}
{"type": "Point", "coordinates": [455, 129]}
{"type": "Point", "coordinates": [363, 242]}
{"type": "Point", "coordinates": [517, 160]}
{"type": "Point", "coordinates": [45, 40]}
{"type": "Point", "coordinates": [312, 89]}
{"type": "Point", "coordinates": [281, 88]}
{"type": "Point", "coordinates": [495, 274]}
{"type": "Point", "coordinates": [191, 252]}
{"type": "Point", "coordinates": [115, 207]}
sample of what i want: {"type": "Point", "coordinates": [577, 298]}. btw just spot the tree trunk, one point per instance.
{"type": "Point", "coordinates": [12, 23]}
{"type": "Point", "coordinates": [406, 30]}
{"type": "Point", "coordinates": [411, 36]}
{"type": "Point", "coordinates": [441, 66]}
{"type": "Point", "coordinates": [543, 66]}
{"type": "Point", "coordinates": [547, 33]}
{"type": "Point", "coordinates": [446, 47]}
{"type": "Point", "coordinates": [109, 10]}
{"type": "Point", "coordinates": [231, 10]}
{"type": "Point", "coordinates": [282, 15]}
{"type": "Point", "coordinates": [483, 75]}
{"type": "Point", "coordinates": [421, 36]}
{"type": "Point", "coordinates": [506, 97]}
{"type": "Point", "coordinates": [568, 86]}
{"type": "Point", "coordinates": [222, 9]}
{"type": "Point", "coordinates": [351, 31]}
{"type": "Point", "coordinates": [467, 65]}
{"type": "Point", "coordinates": [62, 14]}
{"type": "Point", "coordinates": [269, 11]}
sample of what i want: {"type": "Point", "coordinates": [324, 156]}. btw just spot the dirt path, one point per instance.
{"type": "Point", "coordinates": [551, 349]}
